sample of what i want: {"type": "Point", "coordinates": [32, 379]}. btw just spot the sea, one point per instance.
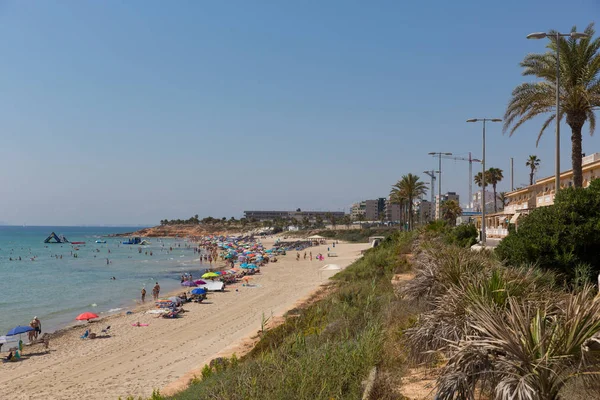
{"type": "Point", "coordinates": [57, 289]}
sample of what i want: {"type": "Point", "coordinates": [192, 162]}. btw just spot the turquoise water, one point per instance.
{"type": "Point", "coordinates": [57, 290]}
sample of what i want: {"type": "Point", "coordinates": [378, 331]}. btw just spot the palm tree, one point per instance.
{"type": "Point", "coordinates": [533, 162]}
{"type": "Point", "coordinates": [478, 179]}
{"type": "Point", "coordinates": [361, 218]}
{"type": "Point", "coordinates": [347, 221]}
{"type": "Point", "coordinates": [494, 176]}
{"type": "Point", "coordinates": [451, 210]}
{"type": "Point", "coordinates": [503, 199]}
{"type": "Point", "coordinates": [579, 90]}
{"type": "Point", "coordinates": [409, 188]}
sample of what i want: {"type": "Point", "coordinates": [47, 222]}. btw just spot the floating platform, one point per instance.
{"type": "Point", "coordinates": [54, 238]}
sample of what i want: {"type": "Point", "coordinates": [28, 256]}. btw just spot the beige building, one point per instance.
{"type": "Point", "coordinates": [540, 194]}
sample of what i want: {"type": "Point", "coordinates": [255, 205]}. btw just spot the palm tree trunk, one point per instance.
{"type": "Point", "coordinates": [531, 177]}
{"type": "Point", "coordinates": [576, 123]}
{"type": "Point", "coordinates": [495, 201]}
{"type": "Point", "coordinates": [410, 215]}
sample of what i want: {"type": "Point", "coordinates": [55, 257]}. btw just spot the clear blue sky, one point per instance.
{"type": "Point", "coordinates": [122, 112]}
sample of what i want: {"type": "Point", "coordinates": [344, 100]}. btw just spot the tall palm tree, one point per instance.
{"type": "Point", "coordinates": [451, 210]}
{"type": "Point", "coordinates": [579, 90]}
{"type": "Point", "coordinates": [410, 188]}
{"type": "Point", "coordinates": [494, 176]}
{"type": "Point", "coordinates": [533, 162]}
{"type": "Point", "coordinates": [478, 178]}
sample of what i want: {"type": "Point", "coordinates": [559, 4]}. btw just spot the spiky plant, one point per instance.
{"type": "Point", "coordinates": [579, 90]}
{"type": "Point", "coordinates": [527, 350]}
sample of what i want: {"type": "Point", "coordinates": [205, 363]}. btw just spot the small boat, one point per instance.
{"type": "Point", "coordinates": [100, 241]}
{"type": "Point", "coordinates": [77, 242]}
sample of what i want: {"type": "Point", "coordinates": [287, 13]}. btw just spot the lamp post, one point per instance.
{"type": "Point", "coordinates": [439, 156]}
{"type": "Point", "coordinates": [557, 36]}
{"type": "Point", "coordinates": [483, 175]}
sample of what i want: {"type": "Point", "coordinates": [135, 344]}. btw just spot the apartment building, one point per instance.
{"type": "Point", "coordinates": [540, 194]}
{"type": "Point", "coordinates": [370, 209]}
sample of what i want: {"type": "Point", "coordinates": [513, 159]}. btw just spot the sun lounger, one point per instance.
{"type": "Point", "coordinates": [86, 334]}
{"type": "Point", "coordinates": [105, 331]}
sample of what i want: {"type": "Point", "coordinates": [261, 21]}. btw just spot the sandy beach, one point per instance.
{"type": "Point", "coordinates": [136, 360]}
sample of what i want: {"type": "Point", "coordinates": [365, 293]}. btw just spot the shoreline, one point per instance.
{"type": "Point", "coordinates": [136, 360]}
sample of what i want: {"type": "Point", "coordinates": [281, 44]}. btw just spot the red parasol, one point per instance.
{"type": "Point", "coordinates": [86, 316]}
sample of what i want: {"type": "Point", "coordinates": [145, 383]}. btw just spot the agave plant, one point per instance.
{"type": "Point", "coordinates": [526, 351]}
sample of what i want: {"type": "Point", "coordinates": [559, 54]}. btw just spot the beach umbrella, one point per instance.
{"type": "Point", "coordinates": [19, 330]}
{"type": "Point", "coordinates": [86, 316]}
{"type": "Point", "coordinates": [200, 282]}
{"type": "Point", "coordinates": [210, 275]}
{"type": "Point", "coordinates": [199, 291]}
{"type": "Point", "coordinates": [188, 283]}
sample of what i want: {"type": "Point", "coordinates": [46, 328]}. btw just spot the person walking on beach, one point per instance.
{"type": "Point", "coordinates": [297, 256]}
{"type": "Point", "coordinates": [37, 328]}
{"type": "Point", "coordinates": [143, 295]}
{"type": "Point", "coordinates": [156, 291]}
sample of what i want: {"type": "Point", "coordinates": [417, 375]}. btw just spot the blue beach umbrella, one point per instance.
{"type": "Point", "coordinates": [199, 291]}
{"type": "Point", "coordinates": [18, 330]}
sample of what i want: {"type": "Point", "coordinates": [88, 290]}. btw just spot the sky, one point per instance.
{"type": "Point", "coordinates": [129, 112]}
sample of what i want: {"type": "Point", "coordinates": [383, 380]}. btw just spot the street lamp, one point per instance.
{"type": "Point", "coordinates": [483, 175]}
{"type": "Point", "coordinates": [557, 36]}
{"type": "Point", "coordinates": [439, 155]}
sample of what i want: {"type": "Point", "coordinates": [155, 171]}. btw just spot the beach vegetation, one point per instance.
{"type": "Point", "coordinates": [579, 90]}
{"type": "Point", "coordinates": [559, 237]}
{"type": "Point", "coordinates": [502, 332]}
{"type": "Point", "coordinates": [463, 235]}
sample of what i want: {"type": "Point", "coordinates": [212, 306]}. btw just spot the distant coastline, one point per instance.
{"type": "Point", "coordinates": [179, 231]}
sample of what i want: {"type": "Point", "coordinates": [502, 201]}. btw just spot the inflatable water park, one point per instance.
{"type": "Point", "coordinates": [136, 240]}
{"type": "Point", "coordinates": [54, 238]}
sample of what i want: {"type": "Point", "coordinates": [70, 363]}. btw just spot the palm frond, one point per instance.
{"type": "Point", "coordinates": [544, 126]}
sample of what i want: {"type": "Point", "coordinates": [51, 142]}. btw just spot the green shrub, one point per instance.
{"type": "Point", "coordinates": [560, 236]}
{"type": "Point", "coordinates": [464, 235]}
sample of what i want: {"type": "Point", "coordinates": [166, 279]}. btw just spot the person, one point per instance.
{"type": "Point", "coordinates": [311, 256]}
{"type": "Point", "coordinates": [36, 324]}
{"type": "Point", "coordinates": [156, 291]}
{"type": "Point", "coordinates": [305, 255]}
{"type": "Point", "coordinates": [143, 295]}
{"type": "Point", "coordinates": [9, 357]}
{"type": "Point", "coordinates": [297, 256]}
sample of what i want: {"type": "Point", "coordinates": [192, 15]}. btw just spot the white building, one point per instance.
{"type": "Point", "coordinates": [475, 204]}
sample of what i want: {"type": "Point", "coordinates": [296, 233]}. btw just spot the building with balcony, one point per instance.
{"type": "Point", "coordinates": [541, 194]}
{"type": "Point", "coordinates": [393, 211]}
{"type": "Point", "coordinates": [370, 209]}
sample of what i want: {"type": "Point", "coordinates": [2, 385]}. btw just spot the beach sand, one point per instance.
{"type": "Point", "coordinates": [165, 354]}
